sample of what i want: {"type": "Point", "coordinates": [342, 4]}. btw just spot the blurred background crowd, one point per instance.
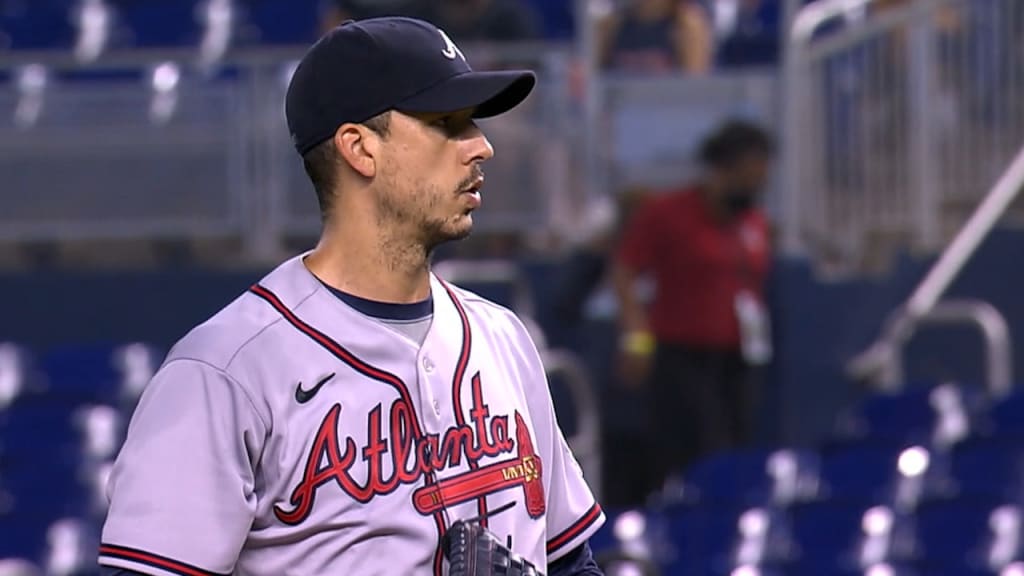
{"type": "Point", "coordinates": [744, 232]}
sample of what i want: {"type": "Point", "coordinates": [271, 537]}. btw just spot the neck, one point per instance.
{"type": "Point", "coordinates": [360, 259]}
{"type": "Point", "coordinates": [710, 194]}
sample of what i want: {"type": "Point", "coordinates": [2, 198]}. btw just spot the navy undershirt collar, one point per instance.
{"type": "Point", "coordinates": [387, 310]}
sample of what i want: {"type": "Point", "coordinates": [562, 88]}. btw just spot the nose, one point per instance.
{"type": "Point", "coordinates": [477, 147]}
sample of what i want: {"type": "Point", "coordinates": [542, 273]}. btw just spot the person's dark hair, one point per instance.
{"type": "Point", "coordinates": [321, 163]}
{"type": "Point", "coordinates": [735, 140]}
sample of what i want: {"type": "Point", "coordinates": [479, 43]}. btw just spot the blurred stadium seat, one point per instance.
{"type": "Point", "coordinates": [967, 534]}
{"type": "Point", "coordinates": [1007, 416]}
{"type": "Point", "coordinates": [36, 25]}
{"type": "Point", "coordinates": [280, 22]}
{"type": "Point", "coordinates": [752, 477]}
{"type": "Point", "coordinates": [987, 468]}
{"type": "Point", "coordinates": [99, 372]}
{"type": "Point", "coordinates": [719, 539]}
{"type": "Point", "coordinates": [828, 536]}
{"type": "Point", "coordinates": [865, 472]}
{"type": "Point", "coordinates": [160, 23]}
{"type": "Point", "coordinates": [920, 414]}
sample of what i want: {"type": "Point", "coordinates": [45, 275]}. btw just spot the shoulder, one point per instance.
{"type": "Point", "coordinates": [246, 322]}
{"type": "Point", "coordinates": [218, 340]}
{"type": "Point", "coordinates": [671, 204]}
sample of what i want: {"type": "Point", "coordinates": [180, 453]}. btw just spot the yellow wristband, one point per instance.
{"type": "Point", "coordinates": [640, 343]}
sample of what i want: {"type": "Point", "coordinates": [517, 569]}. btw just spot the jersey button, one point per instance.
{"type": "Point", "coordinates": [428, 365]}
{"type": "Point", "coordinates": [437, 408]}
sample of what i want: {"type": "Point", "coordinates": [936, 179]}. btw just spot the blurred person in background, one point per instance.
{"type": "Point", "coordinates": [469, 21]}
{"type": "Point", "coordinates": [334, 12]}
{"type": "Point", "coordinates": [657, 37]}
{"type": "Point", "coordinates": [706, 249]}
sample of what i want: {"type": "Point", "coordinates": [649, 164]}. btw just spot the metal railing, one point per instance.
{"type": "Point", "coordinates": [880, 364]}
{"type": "Point", "coordinates": [896, 120]}
{"type": "Point", "coordinates": [163, 148]}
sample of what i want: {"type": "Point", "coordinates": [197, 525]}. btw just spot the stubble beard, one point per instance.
{"type": "Point", "coordinates": [411, 220]}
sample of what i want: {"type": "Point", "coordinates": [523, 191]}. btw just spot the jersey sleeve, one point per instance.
{"type": "Point", "coordinates": [181, 491]}
{"type": "Point", "coordinates": [573, 513]}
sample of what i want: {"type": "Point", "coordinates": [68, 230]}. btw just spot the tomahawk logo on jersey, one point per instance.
{"type": "Point", "coordinates": [293, 434]}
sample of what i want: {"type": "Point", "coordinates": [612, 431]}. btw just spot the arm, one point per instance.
{"type": "Point", "coordinates": [632, 317]}
{"type": "Point", "coordinates": [605, 31]}
{"type": "Point", "coordinates": [182, 494]}
{"type": "Point", "coordinates": [635, 255]}
{"type": "Point", "coordinates": [694, 39]}
{"type": "Point", "coordinates": [578, 562]}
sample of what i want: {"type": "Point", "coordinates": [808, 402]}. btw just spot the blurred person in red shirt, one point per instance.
{"type": "Point", "coordinates": [706, 249]}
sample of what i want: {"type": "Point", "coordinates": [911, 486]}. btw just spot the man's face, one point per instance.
{"type": "Point", "coordinates": [740, 184]}
{"type": "Point", "coordinates": [429, 176]}
{"type": "Point", "coordinates": [750, 172]}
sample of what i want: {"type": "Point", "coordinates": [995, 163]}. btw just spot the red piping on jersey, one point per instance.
{"type": "Point", "coordinates": [367, 370]}
{"type": "Point", "coordinates": [576, 529]}
{"type": "Point", "coordinates": [460, 375]}
{"type": "Point", "coordinates": [150, 559]}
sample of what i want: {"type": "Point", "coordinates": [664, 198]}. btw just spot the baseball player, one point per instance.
{"type": "Point", "coordinates": [351, 410]}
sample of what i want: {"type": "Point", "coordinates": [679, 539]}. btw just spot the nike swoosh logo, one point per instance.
{"type": "Point", "coordinates": [302, 396]}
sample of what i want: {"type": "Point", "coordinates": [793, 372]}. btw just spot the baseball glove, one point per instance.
{"type": "Point", "coordinates": [473, 550]}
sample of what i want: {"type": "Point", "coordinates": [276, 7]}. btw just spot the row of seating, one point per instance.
{"type": "Point", "coordinates": [54, 24]}
{"type": "Point", "coordinates": [929, 482]}
{"type": "Point", "coordinates": [63, 414]}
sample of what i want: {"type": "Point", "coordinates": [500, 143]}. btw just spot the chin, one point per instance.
{"type": "Point", "coordinates": [450, 232]}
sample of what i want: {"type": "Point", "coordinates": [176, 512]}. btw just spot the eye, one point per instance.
{"type": "Point", "coordinates": [452, 124]}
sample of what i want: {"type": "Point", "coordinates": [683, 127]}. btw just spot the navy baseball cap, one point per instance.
{"type": "Point", "coordinates": [363, 68]}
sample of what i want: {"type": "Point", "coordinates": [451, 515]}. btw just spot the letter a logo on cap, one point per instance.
{"type": "Point", "coordinates": [450, 49]}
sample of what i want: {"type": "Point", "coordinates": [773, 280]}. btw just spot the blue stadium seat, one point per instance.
{"type": "Point", "coordinates": [747, 477]}
{"type": "Point", "coordinates": [36, 24]}
{"type": "Point", "coordinates": [703, 538]}
{"type": "Point", "coordinates": [42, 487]}
{"type": "Point", "coordinates": [954, 535]}
{"type": "Point", "coordinates": [825, 536]}
{"type": "Point", "coordinates": [863, 472]}
{"type": "Point", "coordinates": [102, 372]}
{"type": "Point", "coordinates": [1007, 416]}
{"type": "Point", "coordinates": [160, 23]}
{"type": "Point", "coordinates": [812, 570]}
{"type": "Point", "coordinates": [987, 468]}
{"type": "Point", "coordinates": [282, 22]}
{"type": "Point", "coordinates": [908, 416]}
{"type": "Point", "coordinates": [34, 424]}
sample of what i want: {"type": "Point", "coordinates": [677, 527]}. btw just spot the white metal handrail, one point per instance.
{"type": "Point", "coordinates": [882, 364]}
{"type": "Point", "coordinates": [878, 363]}
{"type": "Point", "coordinates": [892, 123]}
{"type": "Point", "coordinates": [806, 21]}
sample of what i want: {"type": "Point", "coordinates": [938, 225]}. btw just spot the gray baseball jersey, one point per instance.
{"type": "Point", "coordinates": [292, 434]}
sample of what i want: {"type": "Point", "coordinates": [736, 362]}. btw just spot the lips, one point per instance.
{"type": "Point", "coordinates": [472, 192]}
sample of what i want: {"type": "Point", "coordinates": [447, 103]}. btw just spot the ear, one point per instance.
{"type": "Point", "coordinates": [360, 147]}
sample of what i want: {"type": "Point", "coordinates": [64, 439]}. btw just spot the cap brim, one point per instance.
{"type": "Point", "coordinates": [489, 93]}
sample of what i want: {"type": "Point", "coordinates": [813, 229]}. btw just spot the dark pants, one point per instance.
{"type": "Point", "coordinates": [702, 402]}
